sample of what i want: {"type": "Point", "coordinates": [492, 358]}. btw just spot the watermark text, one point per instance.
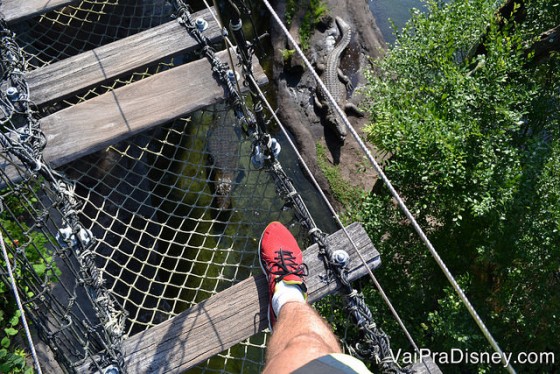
{"type": "Point", "coordinates": [464, 356]}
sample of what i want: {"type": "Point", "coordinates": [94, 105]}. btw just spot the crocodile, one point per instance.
{"type": "Point", "coordinates": [223, 163]}
{"type": "Point", "coordinates": [336, 82]}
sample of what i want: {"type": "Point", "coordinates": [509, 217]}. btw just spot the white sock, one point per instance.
{"type": "Point", "coordinates": [284, 293]}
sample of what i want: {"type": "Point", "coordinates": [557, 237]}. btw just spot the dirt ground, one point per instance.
{"type": "Point", "coordinates": [296, 88]}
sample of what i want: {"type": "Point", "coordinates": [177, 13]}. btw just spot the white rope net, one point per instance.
{"type": "Point", "coordinates": [166, 238]}
{"type": "Point", "coordinates": [166, 241]}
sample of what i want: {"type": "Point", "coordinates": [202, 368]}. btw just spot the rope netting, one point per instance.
{"type": "Point", "coordinates": [168, 238]}
{"type": "Point", "coordinates": [123, 239]}
{"type": "Point", "coordinates": [84, 25]}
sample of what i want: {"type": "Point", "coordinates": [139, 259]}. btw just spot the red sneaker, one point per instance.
{"type": "Point", "coordinates": [282, 261]}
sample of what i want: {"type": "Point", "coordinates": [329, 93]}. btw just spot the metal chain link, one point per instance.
{"type": "Point", "coordinates": [252, 122]}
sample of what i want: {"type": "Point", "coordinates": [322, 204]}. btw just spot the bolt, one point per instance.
{"type": "Point", "coordinates": [275, 147]}
{"type": "Point", "coordinates": [232, 75]}
{"type": "Point", "coordinates": [111, 370]}
{"type": "Point", "coordinates": [257, 158]}
{"type": "Point", "coordinates": [201, 24]}
{"type": "Point", "coordinates": [341, 257]}
{"type": "Point", "coordinates": [236, 26]}
{"type": "Point", "coordinates": [13, 94]}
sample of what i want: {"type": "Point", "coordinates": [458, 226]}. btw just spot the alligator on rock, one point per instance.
{"type": "Point", "coordinates": [336, 83]}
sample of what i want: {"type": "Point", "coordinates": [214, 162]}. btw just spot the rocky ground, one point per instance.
{"type": "Point", "coordinates": [296, 86]}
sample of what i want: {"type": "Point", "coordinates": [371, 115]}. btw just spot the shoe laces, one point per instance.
{"type": "Point", "coordinates": [285, 265]}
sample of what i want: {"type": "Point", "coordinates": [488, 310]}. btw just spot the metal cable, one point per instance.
{"type": "Point", "coordinates": [396, 196]}
{"type": "Point", "coordinates": [378, 342]}
{"type": "Point", "coordinates": [20, 306]}
{"type": "Point", "coordinates": [342, 227]}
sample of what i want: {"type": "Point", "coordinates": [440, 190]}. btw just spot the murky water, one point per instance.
{"type": "Point", "coordinates": [393, 12]}
{"type": "Point", "coordinates": [389, 12]}
{"type": "Point", "coordinates": [207, 248]}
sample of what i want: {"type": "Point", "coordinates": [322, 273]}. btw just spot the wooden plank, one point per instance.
{"type": "Point", "coordinates": [19, 10]}
{"type": "Point", "coordinates": [232, 315]}
{"type": "Point", "coordinates": [67, 77]}
{"type": "Point", "coordinates": [107, 119]}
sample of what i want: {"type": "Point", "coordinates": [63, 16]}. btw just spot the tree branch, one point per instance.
{"type": "Point", "coordinates": [548, 42]}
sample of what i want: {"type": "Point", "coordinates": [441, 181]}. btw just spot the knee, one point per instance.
{"type": "Point", "coordinates": [298, 351]}
{"type": "Point", "coordinates": [313, 341]}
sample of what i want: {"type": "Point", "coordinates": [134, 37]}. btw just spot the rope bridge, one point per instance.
{"type": "Point", "coordinates": [161, 191]}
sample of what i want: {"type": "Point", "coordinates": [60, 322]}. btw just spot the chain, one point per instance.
{"type": "Point", "coordinates": [225, 75]}
{"type": "Point", "coordinates": [24, 139]}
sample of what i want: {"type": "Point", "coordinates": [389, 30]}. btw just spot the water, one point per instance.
{"type": "Point", "coordinates": [387, 12]}
{"type": "Point", "coordinates": [396, 11]}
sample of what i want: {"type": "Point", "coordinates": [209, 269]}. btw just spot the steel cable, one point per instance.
{"type": "Point", "coordinates": [394, 193]}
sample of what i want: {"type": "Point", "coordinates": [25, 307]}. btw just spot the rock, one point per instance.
{"type": "Point", "coordinates": [295, 64]}
{"type": "Point", "coordinates": [295, 86]}
{"type": "Point", "coordinates": [324, 22]}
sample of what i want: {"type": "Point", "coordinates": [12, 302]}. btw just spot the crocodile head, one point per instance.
{"type": "Point", "coordinates": [337, 126]}
{"type": "Point", "coordinates": [223, 187]}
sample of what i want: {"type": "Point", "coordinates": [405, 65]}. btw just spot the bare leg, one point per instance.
{"type": "Point", "coordinates": [300, 335]}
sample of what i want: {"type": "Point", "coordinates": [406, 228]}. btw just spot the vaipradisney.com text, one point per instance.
{"type": "Point", "coordinates": [464, 356]}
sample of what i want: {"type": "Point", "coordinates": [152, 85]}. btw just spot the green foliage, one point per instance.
{"type": "Point", "coordinates": [475, 139]}
{"type": "Point", "coordinates": [35, 264]}
{"type": "Point", "coordinates": [287, 54]}
{"type": "Point", "coordinates": [12, 360]}
{"type": "Point", "coordinates": [291, 10]}
{"type": "Point", "coordinates": [342, 191]}
{"type": "Point", "coordinates": [316, 9]}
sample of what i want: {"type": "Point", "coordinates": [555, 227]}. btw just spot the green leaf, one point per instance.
{"type": "Point", "coordinates": [15, 361]}
{"type": "Point", "coordinates": [10, 331]}
{"type": "Point", "coordinates": [14, 321]}
{"type": "Point", "coordinates": [40, 268]}
{"type": "Point", "coordinates": [5, 342]}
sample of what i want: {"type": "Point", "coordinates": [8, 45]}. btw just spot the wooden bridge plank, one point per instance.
{"type": "Point", "coordinates": [19, 10]}
{"type": "Point", "coordinates": [64, 78]}
{"type": "Point", "coordinates": [232, 315]}
{"type": "Point", "coordinates": [107, 119]}
{"type": "Point", "coordinates": [112, 117]}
